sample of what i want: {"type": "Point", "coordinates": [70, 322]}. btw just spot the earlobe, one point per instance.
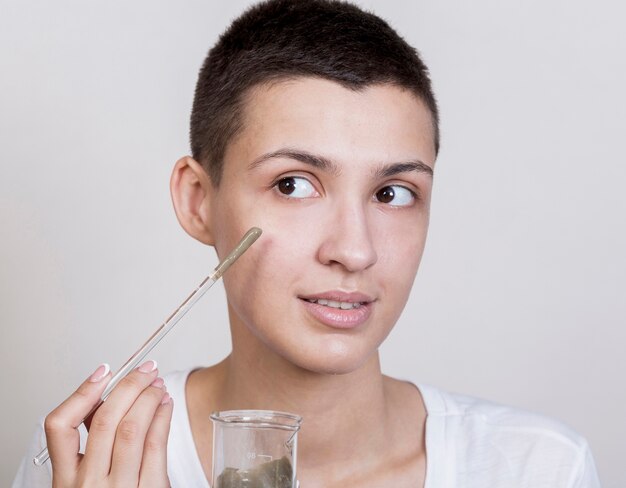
{"type": "Point", "coordinates": [190, 188]}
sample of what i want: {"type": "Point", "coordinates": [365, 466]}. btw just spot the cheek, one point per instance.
{"type": "Point", "coordinates": [263, 273]}
{"type": "Point", "coordinates": [402, 250]}
{"type": "Point", "coordinates": [401, 239]}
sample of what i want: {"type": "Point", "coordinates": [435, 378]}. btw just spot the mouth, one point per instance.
{"type": "Point", "coordinates": [339, 310]}
{"type": "Point", "coordinates": [334, 304]}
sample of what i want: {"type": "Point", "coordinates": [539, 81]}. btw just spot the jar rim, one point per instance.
{"type": "Point", "coordinates": [268, 419]}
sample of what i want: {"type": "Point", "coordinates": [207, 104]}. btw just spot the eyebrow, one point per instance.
{"type": "Point", "coordinates": [319, 162]}
{"type": "Point", "coordinates": [325, 164]}
{"type": "Point", "coordinates": [409, 166]}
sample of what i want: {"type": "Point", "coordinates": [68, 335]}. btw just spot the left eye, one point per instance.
{"type": "Point", "coordinates": [395, 195]}
{"type": "Point", "coordinates": [296, 187]}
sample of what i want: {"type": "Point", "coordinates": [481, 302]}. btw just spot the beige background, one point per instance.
{"type": "Point", "coordinates": [520, 298]}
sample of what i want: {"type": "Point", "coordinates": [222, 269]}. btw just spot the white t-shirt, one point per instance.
{"type": "Point", "coordinates": [470, 443]}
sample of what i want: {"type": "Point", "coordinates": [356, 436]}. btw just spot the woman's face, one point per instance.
{"type": "Point", "coordinates": [340, 182]}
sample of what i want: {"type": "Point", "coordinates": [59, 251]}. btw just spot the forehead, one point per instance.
{"type": "Point", "coordinates": [377, 122]}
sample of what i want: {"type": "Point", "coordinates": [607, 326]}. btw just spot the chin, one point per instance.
{"type": "Point", "coordinates": [332, 359]}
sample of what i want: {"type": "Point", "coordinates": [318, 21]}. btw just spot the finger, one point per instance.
{"type": "Point", "coordinates": [131, 435]}
{"type": "Point", "coordinates": [154, 464]}
{"type": "Point", "coordinates": [97, 459]}
{"type": "Point", "coordinates": [61, 425]}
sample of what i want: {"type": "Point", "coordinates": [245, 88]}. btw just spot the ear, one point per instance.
{"type": "Point", "coordinates": [191, 190]}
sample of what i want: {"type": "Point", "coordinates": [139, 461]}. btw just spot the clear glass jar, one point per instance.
{"type": "Point", "coordinates": [254, 449]}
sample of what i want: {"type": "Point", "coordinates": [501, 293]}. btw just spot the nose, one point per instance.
{"type": "Point", "coordinates": [348, 240]}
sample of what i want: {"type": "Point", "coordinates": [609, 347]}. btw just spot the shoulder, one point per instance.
{"type": "Point", "coordinates": [177, 379]}
{"type": "Point", "coordinates": [176, 382]}
{"type": "Point", "coordinates": [183, 465]}
{"type": "Point", "coordinates": [476, 412]}
{"type": "Point", "coordinates": [492, 439]}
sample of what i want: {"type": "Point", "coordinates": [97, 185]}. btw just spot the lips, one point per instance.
{"type": "Point", "coordinates": [336, 304]}
{"type": "Point", "coordinates": [339, 310]}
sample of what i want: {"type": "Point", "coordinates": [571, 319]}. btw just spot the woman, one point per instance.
{"type": "Point", "coordinates": [316, 122]}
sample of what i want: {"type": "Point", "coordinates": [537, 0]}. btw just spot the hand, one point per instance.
{"type": "Point", "coordinates": [127, 439]}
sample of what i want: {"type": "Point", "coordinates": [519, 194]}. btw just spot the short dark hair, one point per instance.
{"type": "Point", "coordinates": [283, 39]}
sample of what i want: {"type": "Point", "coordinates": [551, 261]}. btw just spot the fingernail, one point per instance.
{"type": "Point", "coordinates": [148, 366]}
{"type": "Point", "coordinates": [158, 383]}
{"type": "Point", "coordinates": [100, 372]}
{"type": "Point", "coordinates": [166, 399]}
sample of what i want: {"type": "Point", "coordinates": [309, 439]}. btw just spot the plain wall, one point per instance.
{"type": "Point", "coordinates": [520, 297]}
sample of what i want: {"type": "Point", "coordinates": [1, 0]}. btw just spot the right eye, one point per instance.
{"type": "Point", "coordinates": [296, 187]}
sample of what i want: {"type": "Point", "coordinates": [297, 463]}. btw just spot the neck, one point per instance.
{"type": "Point", "coordinates": [344, 415]}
